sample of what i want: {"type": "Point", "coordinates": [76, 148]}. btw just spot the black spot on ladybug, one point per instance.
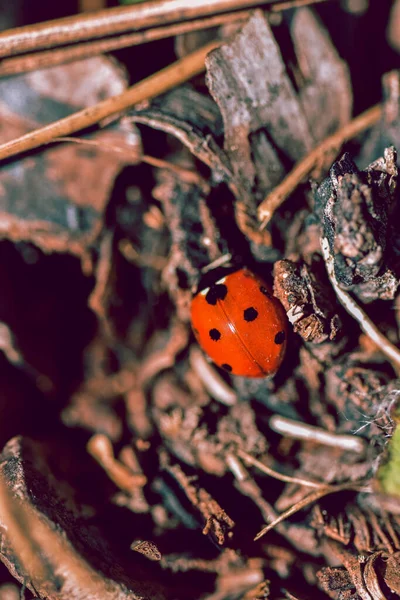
{"type": "Point", "coordinates": [264, 291]}
{"type": "Point", "coordinates": [250, 314]}
{"type": "Point", "coordinates": [214, 334]}
{"type": "Point", "coordinates": [227, 367]}
{"type": "Point", "coordinates": [280, 337]}
{"type": "Point", "coordinates": [216, 292]}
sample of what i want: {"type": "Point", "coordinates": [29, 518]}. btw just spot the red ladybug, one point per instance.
{"type": "Point", "coordinates": [240, 325]}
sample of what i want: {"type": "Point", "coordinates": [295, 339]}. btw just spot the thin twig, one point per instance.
{"type": "Point", "coordinates": [218, 262]}
{"type": "Point", "coordinates": [249, 459]}
{"type": "Point", "coordinates": [113, 21]}
{"type": "Point", "coordinates": [152, 86]}
{"type": "Point", "coordinates": [373, 519]}
{"type": "Point", "coordinates": [274, 200]}
{"type": "Point", "coordinates": [368, 327]}
{"type": "Point", "coordinates": [309, 499]}
{"type": "Point", "coordinates": [303, 431]}
{"type": "Point", "coordinates": [51, 58]}
{"type": "Point", "coordinates": [186, 175]}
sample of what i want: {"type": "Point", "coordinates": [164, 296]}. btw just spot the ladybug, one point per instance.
{"type": "Point", "coordinates": [240, 325]}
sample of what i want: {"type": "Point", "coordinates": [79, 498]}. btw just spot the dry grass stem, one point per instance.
{"type": "Point", "coordinates": [309, 499]}
{"type": "Point", "coordinates": [191, 177]}
{"type": "Point", "coordinates": [113, 21]}
{"type": "Point", "coordinates": [152, 86]}
{"type": "Point", "coordinates": [274, 200]}
{"type": "Point", "coordinates": [280, 476]}
{"type": "Point", "coordinates": [51, 58]}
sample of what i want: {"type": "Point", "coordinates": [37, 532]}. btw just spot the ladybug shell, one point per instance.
{"type": "Point", "coordinates": [240, 325]}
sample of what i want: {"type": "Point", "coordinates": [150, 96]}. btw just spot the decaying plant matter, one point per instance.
{"type": "Point", "coordinates": [131, 467]}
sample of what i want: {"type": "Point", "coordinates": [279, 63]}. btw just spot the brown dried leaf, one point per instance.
{"type": "Point", "coordinates": [371, 577]}
{"type": "Point", "coordinates": [57, 198]}
{"type": "Point", "coordinates": [194, 237]}
{"type": "Point", "coordinates": [248, 80]}
{"type": "Point", "coordinates": [327, 107]}
{"type": "Point", "coordinates": [336, 582]}
{"type": "Point", "coordinates": [193, 119]}
{"type": "Point", "coordinates": [354, 207]}
{"type": "Point", "coordinates": [266, 123]}
{"type": "Point", "coordinates": [43, 522]}
{"type": "Point", "coordinates": [306, 301]}
{"type": "Point", "coordinates": [391, 573]}
{"type": "Point", "coordinates": [354, 568]}
{"type": "Point", "coordinates": [148, 549]}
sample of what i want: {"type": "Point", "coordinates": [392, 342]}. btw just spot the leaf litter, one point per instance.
{"type": "Point", "coordinates": [132, 468]}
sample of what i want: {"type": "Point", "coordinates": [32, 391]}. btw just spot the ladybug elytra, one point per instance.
{"type": "Point", "coordinates": [240, 325]}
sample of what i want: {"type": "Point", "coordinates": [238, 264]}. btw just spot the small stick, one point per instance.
{"type": "Point", "coordinates": [128, 153]}
{"type": "Point", "coordinates": [113, 21]}
{"type": "Point", "coordinates": [152, 86]}
{"type": "Point", "coordinates": [373, 519]}
{"type": "Point", "coordinates": [390, 529]}
{"type": "Point", "coordinates": [302, 431]}
{"type": "Point", "coordinates": [367, 326]}
{"type": "Point", "coordinates": [274, 199]}
{"type": "Point", "coordinates": [309, 499]}
{"type": "Point", "coordinates": [186, 175]}
{"type": "Point", "coordinates": [51, 58]}
{"type": "Point", "coordinates": [218, 262]}
{"type": "Point", "coordinates": [249, 459]}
